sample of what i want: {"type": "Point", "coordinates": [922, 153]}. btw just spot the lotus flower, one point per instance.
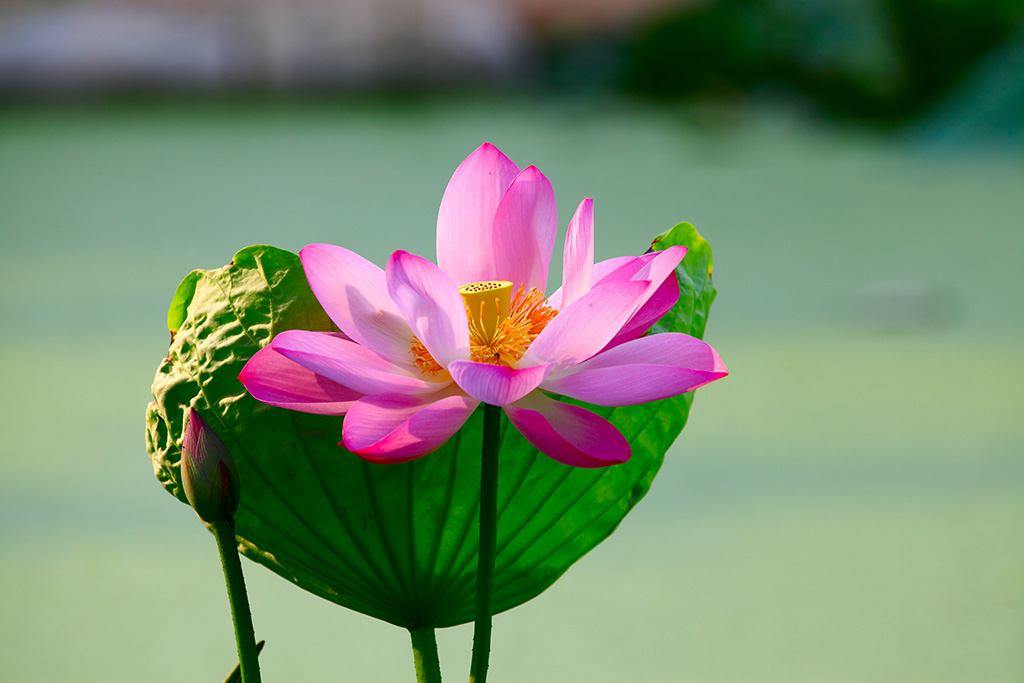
{"type": "Point", "coordinates": [423, 345]}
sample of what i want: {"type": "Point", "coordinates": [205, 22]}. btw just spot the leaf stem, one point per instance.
{"type": "Point", "coordinates": [424, 655]}
{"type": "Point", "coordinates": [488, 534]}
{"type": "Point", "coordinates": [224, 532]}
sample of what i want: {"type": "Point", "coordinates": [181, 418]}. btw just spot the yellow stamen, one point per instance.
{"type": "Point", "coordinates": [423, 360]}
{"type": "Point", "coordinates": [500, 330]}
{"type": "Point", "coordinates": [528, 315]}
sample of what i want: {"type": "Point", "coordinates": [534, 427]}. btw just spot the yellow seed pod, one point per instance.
{"type": "Point", "coordinates": [487, 304]}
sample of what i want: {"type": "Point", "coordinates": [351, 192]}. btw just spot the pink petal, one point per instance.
{"type": "Point", "coordinates": [646, 369]}
{"type": "Point", "coordinates": [657, 268]}
{"type": "Point", "coordinates": [273, 379]}
{"type": "Point", "coordinates": [569, 434]}
{"type": "Point", "coordinates": [348, 363]}
{"type": "Point", "coordinates": [396, 428]}
{"type": "Point", "coordinates": [431, 305]}
{"type": "Point", "coordinates": [466, 216]}
{"type": "Point", "coordinates": [525, 224]}
{"type": "Point", "coordinates": [653, 267]}
{"type": "Point", "coordinates": [652, 310]}
{"type": "Point", "coordinates": [583, 327]}
{"type": "Point", "coordinates": [661, 265]}
{"type": "Point", "coordinates": [578, 259]}
{"type": "Point", "coordinates": [354, 294]}
{"type": "Point", "coordinates": [602, 269]}
{"type": "Point", "coordinates": [496, 384]}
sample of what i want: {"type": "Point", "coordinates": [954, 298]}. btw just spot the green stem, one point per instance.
{"type": "Point", "coordinates": [224, 532]}
{"type": "Point", "coordinates": [488, 534]}
{"type": "Point", "coordinates": [424, 655]}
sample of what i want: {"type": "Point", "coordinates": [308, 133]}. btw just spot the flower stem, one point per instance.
{"type": "Point", "coordinates": [424, 655]}
{"type": "Point", "coordinates": [223, 531]}
{"type": "Point", "coordinates": [488, 534]}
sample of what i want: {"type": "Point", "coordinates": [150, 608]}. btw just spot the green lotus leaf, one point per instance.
{"type": "Point", "coordinates": [394, 541]}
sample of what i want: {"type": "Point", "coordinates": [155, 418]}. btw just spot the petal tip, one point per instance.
{"type": "Point", "coordinates": [313, 249]}
{"type": "Point", "coordinates": [488, 150]}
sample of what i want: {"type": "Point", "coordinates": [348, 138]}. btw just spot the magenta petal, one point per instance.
{"type": "Point", "coordinates": [525, 224]}
{"type": "Point", "coordinates": [658, 268]}
{"type": "Point", "coordinates": [583, 327]}
{"type": "Point", "coordinates": [578, 258]}
{"type": "Point", "coordinates": [569, 434]}
{"type": "Point", "coordinates": [496, 384]}
{"type": "Point", "coordinates": [602, 270]}
{"type": "Point", "coordinates": [619, 268]}
{"type": "Point", "coordinates": [348, 363]}
{"type": "Point", "coordinates": [396, 428]}
{"type": "Point", "coordinates": [431, 304]}
{"type": "Point", "coordinates": [354, 294]}
{"type": "Point", "coordinates": [273, 379]}
{"type": "Point", "coordinates": [668, 348]}
{"type": "Point", "coordinates": [659, 303]}
{"type": "Point", "coordinates": [646, 369]}
{"type": "Point", "coordinates": [662, 264]}
{"type": "Point", "coordinates": [466, 216]}
{"type": "Point", "coordinates": [653, 267]}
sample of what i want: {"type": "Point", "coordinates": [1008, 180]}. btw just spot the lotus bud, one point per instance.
{"type": "Point", "coordinates": [208, 473]}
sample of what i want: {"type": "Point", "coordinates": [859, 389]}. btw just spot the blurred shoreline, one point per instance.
{"type": "Point", "coordinates": [949, 74]}
{"type": "Point", "coordinates": [95, 46]}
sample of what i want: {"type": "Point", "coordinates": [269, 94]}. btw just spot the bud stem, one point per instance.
{"type": "Point", "coordinates": [223, 531]}
{"type": "Point", "coordinates": [424, 655]}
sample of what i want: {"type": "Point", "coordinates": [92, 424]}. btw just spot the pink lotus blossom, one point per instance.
{"type": "Point", "coordinates": [424, 344]}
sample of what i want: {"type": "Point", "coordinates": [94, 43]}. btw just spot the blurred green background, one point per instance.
{"type": "Point", "coordinates": [847, 506]}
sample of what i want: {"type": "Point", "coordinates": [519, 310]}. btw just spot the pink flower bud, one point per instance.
{"type": "Point", "coordinates": [208, 473]}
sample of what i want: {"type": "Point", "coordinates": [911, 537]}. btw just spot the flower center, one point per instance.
{"type": "Point", "coordinates": [501, 327]}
